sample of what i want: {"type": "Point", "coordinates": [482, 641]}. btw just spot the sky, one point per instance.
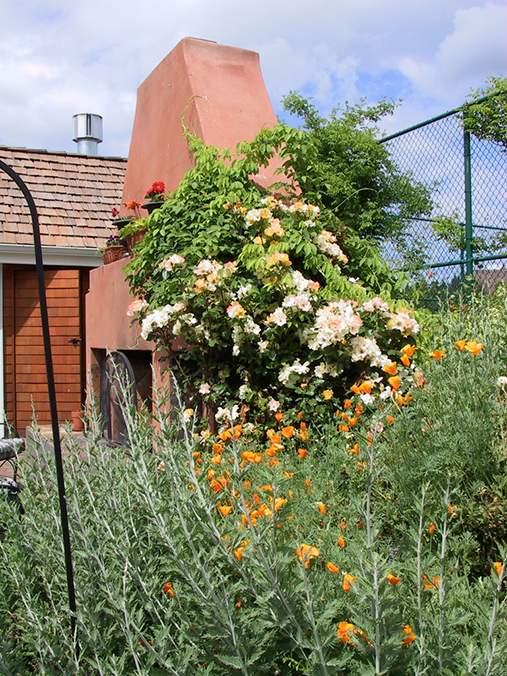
{"type": "Point", "coordinates": [61, 57]}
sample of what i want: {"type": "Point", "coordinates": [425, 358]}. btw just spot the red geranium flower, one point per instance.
{"type": "Point", "coordinates": [157, 188]}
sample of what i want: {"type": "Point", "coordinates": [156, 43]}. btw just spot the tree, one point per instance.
{"type": "Point", "coordinates": [487, 118]}
{"type": "Point", "coordinates": [344, 168]}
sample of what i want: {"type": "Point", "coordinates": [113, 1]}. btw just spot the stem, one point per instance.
{"type": "Point", "coordinates": [419, 578]}
{"type": "Point", "coordinates": [441, 587]}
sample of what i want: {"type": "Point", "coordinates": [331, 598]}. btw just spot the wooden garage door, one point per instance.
{"type": "Point", "coordinates": [64, 310]}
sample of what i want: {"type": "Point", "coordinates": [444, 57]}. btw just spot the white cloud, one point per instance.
{"type": "Point", "coordinates": [59, 57]}
{"type": "Point", "coordinates": [474, 48]}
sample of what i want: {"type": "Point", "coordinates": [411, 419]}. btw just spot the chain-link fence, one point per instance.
{"type": "Point", "coordinates": [467, 179]}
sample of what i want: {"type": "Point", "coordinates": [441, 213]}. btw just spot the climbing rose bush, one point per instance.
{"type": "Point", "coordinates": [280, 322]}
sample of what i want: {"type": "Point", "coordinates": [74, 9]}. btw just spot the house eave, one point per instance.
{"type": "Point", "coordinates": [71, 257]}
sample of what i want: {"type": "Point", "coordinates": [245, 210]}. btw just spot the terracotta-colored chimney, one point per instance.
{"type": "Point", "coordinates": [220, 93]}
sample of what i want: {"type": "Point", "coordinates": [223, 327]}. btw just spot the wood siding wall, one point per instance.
{"type": "Point", "coordinates": [25, 371]}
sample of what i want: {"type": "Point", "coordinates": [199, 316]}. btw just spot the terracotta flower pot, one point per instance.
{"type": "Point", "coordinates": [134, 238]}
{"type": "Point", "coordinates": [113, 253]}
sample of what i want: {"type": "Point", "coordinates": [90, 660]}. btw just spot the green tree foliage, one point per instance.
{"type": "Point", "coordinates": [488, 119]}
{"type": "Point", "coordinates": [343, 167]}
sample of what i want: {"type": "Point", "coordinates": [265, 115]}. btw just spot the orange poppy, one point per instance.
{"type": "Point", "coordinates": [347, 581]}
{"type": "Point", "coordinates": [288, 431]}
{"type": "Point", "coordinates": [278, 417]}
{"type": "Point", "coordinates": [405, 361]}
{"type": "Point", "coordinates": [394, 382]}
{"type": "Point", "coordinates": [366, 387]}
{"type": "Point", "coordinates": [218, 448]}
{"type": "Point", "coordinates": [498, 566]}
{"type": "Point", "coordinates": [460, 344]}
{"type": "Point", "coordinates": [410, 637]}
{"type": "Point", "coordinates": [355, 389]}
{"type": "Point", "coordinates": [390, 419]}
{"type": "Point", "coordinates": [347, 404]}
{"type": "Point", "coordinates": [226, 434]}
{"type": "Point", "coordinates": [237, 431]}
{"type": "Point", "coordinates": [409, 350]}
{"type": "Point", "coordinates": [304, 435]}
{"type": "Point", "coordinates": [331, 567]}
{"type": "Point", "coordinates": [168, 589]}
{"type": "Point", "coordinates": [224, 509]}
{"type": "Point", "coordinates": [344, 629]}
{"type": "Point", "coordinates": [437, 354]}
{"type": "Point", "coordinates": [354, 450]}
{"type": "Point", "coordinates": [322, 507]}
{"type": "Point", "coordinates": [302, 453]}
{"type": "Point", "coordinates": [300, 415]}
{"type": "Point", "coordinates": [216, 459]}
{"type": "Point", "coordinates": [391, 368]}
{"type": "Point", "coordinates": [272, 462]}
{"type": "Point", "coordinates": [306, 553]}
{"type": "Point", "coordinates": [474, 347]}
{"type": "Point", "coordinates": [393, 579]}
{"type": "Point", "coordinates": [250, 456]}
{"type": "Point", "coordinates": [216, 485]}
{"type": "Point", "coordinates": [288, 475]}
{"type": "Point", "coordinates": [431, 529]}
{"type": "Point", "coordinates": [279, 503]}
{"type": "Point", "coordinates": [341, 542]}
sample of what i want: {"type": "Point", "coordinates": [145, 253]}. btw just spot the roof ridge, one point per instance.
{"type": "Point", "coordinates": [61, 152]}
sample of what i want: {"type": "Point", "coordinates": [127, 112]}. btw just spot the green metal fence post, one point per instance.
{"type": "Point", "coordinates": [469, 228]}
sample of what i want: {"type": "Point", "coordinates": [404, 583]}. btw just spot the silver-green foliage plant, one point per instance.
{"type": "Point", "coordinates": [349, 559]}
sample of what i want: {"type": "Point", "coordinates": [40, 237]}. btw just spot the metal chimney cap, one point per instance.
{"type": "Point", "coordinates": [87, 126]}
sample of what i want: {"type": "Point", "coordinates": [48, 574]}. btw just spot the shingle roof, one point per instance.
{"type": "Point", "coordinates": [74, 195]}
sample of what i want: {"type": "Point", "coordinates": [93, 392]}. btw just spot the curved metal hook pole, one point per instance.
{"type": "Point", "coordinates": [52, 394]}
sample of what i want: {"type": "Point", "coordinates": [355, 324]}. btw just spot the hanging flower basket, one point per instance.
{"type": "Point", "coordinates": [134, 238]}
{"type": "Point", "coordinates": [113, 253]}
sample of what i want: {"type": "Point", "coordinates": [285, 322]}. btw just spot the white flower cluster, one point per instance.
{"type": "Point", "coordinates": [228, 414]}
{"type": "Point", "coordinates": [303, 284]}
{"type": "Point", "coordinates": [136, 307]}
{"type": "Point", "coordinates": [401, 321]}
{"type": "Point", "coordinates": [301, 302]}
{"type": "Point", "coordinates": [160, 318]}
{"type": "Point", "coordinates": [333, 322]}
{"type": "Point", "coordinates": [296, 367]}
{"type": "Point", "coordinates": [326, 242]}
{"type": "Point", "coordinates": [277, 317]}
{"type": "Point", "coordinates": [366, 349]}
{"type": "Point", "coordinates": [375, 304]}
{"type": "Point", "coordinates": [188, 320]}
{"type": "Point", "coordinates": [323, 370]}
{"type": "Point", "coordinates": [239, 333]}
{"type": "Point", "coordinates": [169, 263]}
{"type": "Point", "coordinates": [307, 209]}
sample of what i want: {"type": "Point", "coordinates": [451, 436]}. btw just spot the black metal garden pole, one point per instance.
{"type": "Point", "coordinates": [52, 394]}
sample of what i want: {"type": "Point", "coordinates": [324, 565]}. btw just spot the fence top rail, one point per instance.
{"type": "Point", "coordinates": [454, 111]}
